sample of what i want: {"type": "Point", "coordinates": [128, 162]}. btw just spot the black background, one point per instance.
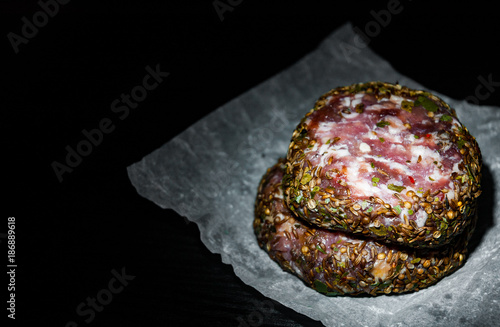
{"type": "Point", "coordinates": [72, 234]}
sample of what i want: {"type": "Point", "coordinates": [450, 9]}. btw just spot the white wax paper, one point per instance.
{"type": "Point", "coordinates": [210, 172]}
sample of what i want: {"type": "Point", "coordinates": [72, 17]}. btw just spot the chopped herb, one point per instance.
{"type": "Point", "coordinates": [320, 249]}
{"type": "Point", "coordinates": [298, 198]}
{"type": "Point", "coordinates": [381, 139]}
{"type": "Point", "coordinates": [470, 174]}
{"type": "Point", "coordinates": [396, 188]}
{"type": "Point", "coordinates": [427, 103]}
{"type": "Point", "coordinates": [372, 164]}
{"type": "Point", "coordinates": [445, 118]}
{"type": "Point", "coordinates": [416, 136]}
{"type": "Point", "coordinates": [385, 284]}
{"type": "Point", "coordinates": [460, 143]}
{"type": "Point", "coordinates": [410, 212]}
{"type": "Point", "coordinates": [370, 209]}
{"type": "Point", "coordinates": [375, 180]}
{"type": "Point", "coordinates": [342, 264]}
{"type": "Point", "coordinates": [383, 123]}
{"type": "Point", "coordinates": [398, 209]}
{"type": "Point", "coordinates": [380, 231]}
{"type": "Point", "coordinates": [335, 249]}
{"type": "Point", "coordinates": [383, 90]}
{"type": "Point", "coordinates": [407, 105]}
{"type": "Point", "coordinates": [359, 108]}
{"type": "Point", "coordinates": [314, 191]}
{"type": "Point", "coordinates": [320, 286]}
{"type": "Point", "coordinates": [415, 260]}
{"type": "Point", "coordinates": [430, 178]}
{"type": "Point", "coordinates": [305, 179]}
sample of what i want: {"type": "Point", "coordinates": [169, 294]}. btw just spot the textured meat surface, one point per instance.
{"type": "Point", "coordinates": [384, 161]}
{"type": "Point", "coordinates": [335, 263]}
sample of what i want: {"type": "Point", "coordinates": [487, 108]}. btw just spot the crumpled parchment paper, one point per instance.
{"type": "Point", "coordinates": [210, 172]}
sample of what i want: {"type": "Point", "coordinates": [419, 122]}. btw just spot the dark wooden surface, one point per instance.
{"type": "Point", "coordinates": [72, 234]}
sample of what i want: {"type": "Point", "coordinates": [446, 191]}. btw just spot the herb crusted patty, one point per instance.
{"type": "Point", "coordinates": [336, 263]}
{"type": "Point", "coordinates": [384, 161]}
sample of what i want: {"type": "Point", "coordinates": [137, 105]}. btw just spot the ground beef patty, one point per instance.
{"type": "Point", "coordinates": [336, 263]}
{"type": "Point", "coordinates": [384, 161]}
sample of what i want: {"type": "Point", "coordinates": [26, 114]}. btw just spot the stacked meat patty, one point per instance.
{"type": "Point", "coordinates": [377, 194]}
